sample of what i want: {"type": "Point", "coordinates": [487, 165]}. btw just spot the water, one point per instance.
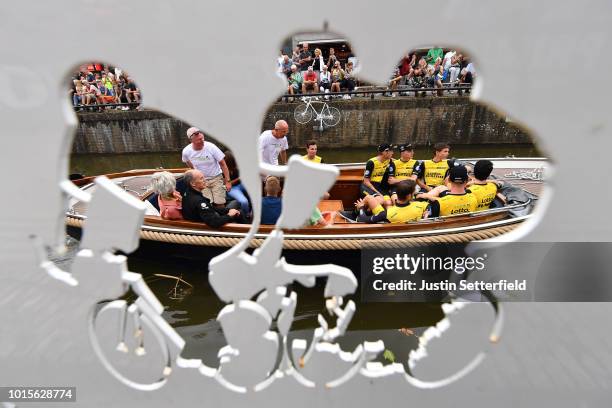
{"type": "Point", "coordinates": [94, 164]}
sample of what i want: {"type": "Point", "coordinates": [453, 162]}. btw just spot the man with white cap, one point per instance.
{"type": "Point", "coordinates": [210, 160]}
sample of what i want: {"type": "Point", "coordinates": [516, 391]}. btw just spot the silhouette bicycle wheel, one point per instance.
{"type": "Point", "coordinates": [331, 116]}
{"type": "Point", "coordinates": [302, 114]}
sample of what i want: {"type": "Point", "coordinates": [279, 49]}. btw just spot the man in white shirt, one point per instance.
{"type": "Point", "coordinates": [210, 160]}
{"type": "Point", "coordinates": [273, 143]}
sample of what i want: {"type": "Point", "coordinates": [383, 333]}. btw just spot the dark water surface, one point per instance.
{"type": "Point", "coordinates": [94, 164]}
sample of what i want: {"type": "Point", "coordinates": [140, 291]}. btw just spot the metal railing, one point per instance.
{"type": "Point", "coordinates": [379, 90]}
{"type": "Point", "coordinates": [99, 107]}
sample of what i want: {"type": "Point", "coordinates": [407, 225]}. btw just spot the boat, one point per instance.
{"type": "Point", "coordinates": [522, 175]}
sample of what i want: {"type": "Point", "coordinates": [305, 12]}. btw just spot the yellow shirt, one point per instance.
{"type": "Point", "coordinates": [316, 159]}
{"type": "Point", "coordinates": [403, 170]}
{"type": "Point", "coordinates": [434, 173]}
{"type": "Point", "coordinates": [375, 170]}
{"type": "Point", "coordinates": [485, 194]}
{"type": "Point", "coordinates": [402, 213]}
{"type": "Point", "coordinates": [453, 204]}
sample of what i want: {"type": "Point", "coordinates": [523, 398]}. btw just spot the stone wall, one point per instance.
{"type": "Point", "coordinates": [364, 122]}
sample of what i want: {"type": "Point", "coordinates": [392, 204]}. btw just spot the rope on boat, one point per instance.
{"type": "Point", "coordinates": [321, 244]}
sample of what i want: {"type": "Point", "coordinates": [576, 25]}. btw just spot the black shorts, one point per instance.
{"type": "Point", "coordinates": [365, 190]}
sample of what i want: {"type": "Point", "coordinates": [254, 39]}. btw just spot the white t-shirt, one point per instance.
{"type": "Point", "coordinates": [205, 160]}
{"type": "Point", "coordinates": [448, 58]}
{"type": "Point", "coordinates": [270, 147]}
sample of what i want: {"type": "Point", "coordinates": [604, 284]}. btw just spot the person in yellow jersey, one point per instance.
{"type": "Point", "coordinates": [455, 200]}
{"type": "Point", "coordinates": [404, 168]}
{"type": "Point", "coordinates": [311, 152]}
{"type": "Point", "coordinates": [403, 211]}
{"type": "Point", "coordinates": [433, 172]}
{"type": "Point", "coordinates": [375, 177]}
{"type": "Point", "coordinates": [484, 189]}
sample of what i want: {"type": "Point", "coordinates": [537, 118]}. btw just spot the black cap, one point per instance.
{"type": "Point", "coordinates": [406, 146]}
{"type": "Point", "coordinates": [458, 174]}
{"type": "Point", "coordinates": [384, 146]}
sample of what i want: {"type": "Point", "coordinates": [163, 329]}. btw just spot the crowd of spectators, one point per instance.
{"type": "Point", "coordinates": [97, 85]}
{"type": "Point", "coordinates": [312, 72]}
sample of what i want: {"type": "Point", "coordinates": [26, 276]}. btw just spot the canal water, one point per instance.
{"type": "Point", "coordinates": [191, 308]}
{"type": "Point", "coordinates": [94, 164]}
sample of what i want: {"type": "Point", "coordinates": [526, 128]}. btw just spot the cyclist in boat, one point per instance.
{"type": "Point", "coordinates": [405, 168]}
{"type": "Point", "coordinates": [403, 211]}
{"type": "Point", "coordinates": [484, 189]}
{"type": "Point", "coordinates": [198, 208]}
{"type": "Point", "coordinates": [455, 200]}
{"type": "Point", "coordinates": [311, 152]}
{"type": "Point", "coordinates": [375, 177]}
{"type": "Point", "coordinates": [433, 172]}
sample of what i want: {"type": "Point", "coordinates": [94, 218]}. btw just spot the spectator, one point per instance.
{"type": "Point", "coordinates": [237, 192]}
{"type": "Point", "coordinates": [465, 79]}
{"type": "Point", "coordinates": [337, 75]}
{"type": "Point", "coordinates": [305, 57]}
{"type": "Point", "coordinates": [433, 54]}
{"type": "Point", "coordinates": [78, 92]}
{"type": "Point", "coordinates": [317, 62]}
{"type": "Point", "coordinates": [349, 78]}
{"type": "Point", "coordinates": [309, 81]}
{"type": "Point", "coordinates": [455, 69]}
{"type": "Point", "coordinates": [311, 152]}
{"type": "Point", "coordinates": [325, 80]}
{"type": "Point", "coordinates": [295, 81]}
{"type": "Point", "coordinates": [285, 66]}
{"type": "Point", "coordinates": [406, 64]}
{"type": "Point", "coordinates": [331, 60]}
{"type": "Point", "coordinates": [447, 61]}
{"type": "Point", "coordinates": [168, 199]}
{"type": "Point", "coordinates": [394, 81]}
{"type": "Point", "coordinates": [271, 203]}
{"type": "Point", "coordinates": [132, 93]}
{"type": "Point", "coordinates": [295, 56]}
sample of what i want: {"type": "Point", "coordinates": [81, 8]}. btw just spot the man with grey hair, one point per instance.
{"type": "Point", "coordinates": [273, 143]}
{"type": "Point", "coordinates": [210, 160]}
{"type": "Point", "coordinates": [197, 207]}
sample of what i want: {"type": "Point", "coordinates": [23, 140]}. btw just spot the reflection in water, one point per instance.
{"type": "Point", "coordinates": [193, 314]}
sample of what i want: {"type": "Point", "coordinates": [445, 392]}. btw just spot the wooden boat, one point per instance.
{"type": "Point", "coordinates": [525, 173]}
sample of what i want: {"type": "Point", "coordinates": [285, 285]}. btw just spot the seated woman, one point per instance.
{"type": "Point", "coordinates": [169, 200]}
{"type": "Point", "coordinates": [238, 192]}
{"type": "Point", "coordinates": [272, 204]}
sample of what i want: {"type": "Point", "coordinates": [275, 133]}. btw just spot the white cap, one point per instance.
{"type": "Point", "coordinates": [191, 131]}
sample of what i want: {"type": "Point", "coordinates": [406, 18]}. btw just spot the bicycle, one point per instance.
{"type": "Point", "coordinates": [328, 116]}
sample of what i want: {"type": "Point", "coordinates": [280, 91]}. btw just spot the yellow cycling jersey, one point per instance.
{"type": "Point", "coordinates": [403, 170]}
{"type": "Point", "coordinates": [453, 204]}
{"type": "Point", "coordinates": [485, 194]}
{"type": "Point", "coordinates": [375, 170]}
{"type": "Point", "coordinates": [316, 159]}
{"type": "Point", "coordinates": [434, 173]}
{"type": "Point", "coordinates": [401, 213]}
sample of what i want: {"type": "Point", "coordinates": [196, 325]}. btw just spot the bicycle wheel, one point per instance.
{"type": "Point", "coordinates": [302, 114]}
{"type": "Point", "coordinates": [331, 116]}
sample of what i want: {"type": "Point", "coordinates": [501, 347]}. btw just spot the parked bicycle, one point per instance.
{"type": "Point", "coordinates": [328, 116]}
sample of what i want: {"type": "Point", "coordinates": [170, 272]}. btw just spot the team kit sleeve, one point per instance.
{"type": "Point", "coordinates": [368, 169]}
{"type": "Point", "coordinates": [434, 209]}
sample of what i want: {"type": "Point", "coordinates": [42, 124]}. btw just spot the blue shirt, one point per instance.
{"type": "Point", "coordinates": [271, 209]}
